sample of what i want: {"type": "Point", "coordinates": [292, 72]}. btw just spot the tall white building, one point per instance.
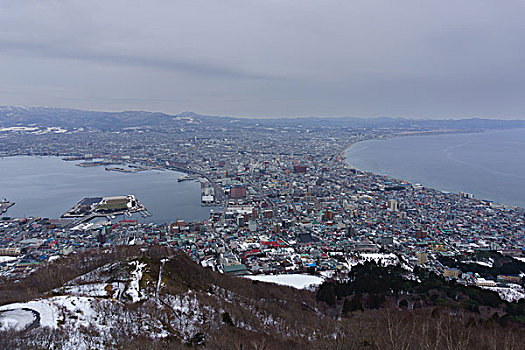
{"type": "Point", "coordinates": [392, 205]}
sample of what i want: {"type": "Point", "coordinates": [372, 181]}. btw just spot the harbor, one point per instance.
{"type": "Point", "coordinates": [89, 208]}
{"type": "Point", "coordinates": [208, 198]}
{"type": "Point", "coordinates": [159, 191]}
{"type": "Point", "coordinates": [211, 195]}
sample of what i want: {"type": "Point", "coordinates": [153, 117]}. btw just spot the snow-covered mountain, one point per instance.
{"type": "Point", "coordinates": [73, 118]}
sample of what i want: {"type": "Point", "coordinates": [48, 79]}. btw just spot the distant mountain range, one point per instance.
{"type": "Point", "coordinates": [74, 118]}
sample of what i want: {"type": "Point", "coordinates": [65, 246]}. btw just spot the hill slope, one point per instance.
{"type": "Point", "coordinates": [136, 298]}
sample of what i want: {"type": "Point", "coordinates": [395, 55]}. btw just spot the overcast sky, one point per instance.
{"type": "Point", "coordinates": [409, 58]}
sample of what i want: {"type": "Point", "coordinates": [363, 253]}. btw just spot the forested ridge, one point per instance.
{"type": "Point", "coordinates": [195, 307]}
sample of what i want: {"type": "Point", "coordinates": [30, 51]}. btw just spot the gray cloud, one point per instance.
{"type": "Point", "coordinates": [31, 49]}
{"type": "Point", "coordinates": [412, 58]}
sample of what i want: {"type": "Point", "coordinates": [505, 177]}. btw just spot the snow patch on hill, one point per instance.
{"type": "Point", "coordinates": [512, 293]}
{"type": "Point", "coordinates": [112, 290]}
{"type": "Point", "coordinates": [188, 314]}
{"type": "Point", "coordinates": [381, 259]}
{"type": "Point", "coordinates": [133, 290]}
{"type": "Point", "coordinates": [293, 280]}
{"type": "Point", "coordinates": [47, 308]}
{"type": "Point", "coordinates": [17, 319]}
{"type": "Point", "coordinates": [482, 263]}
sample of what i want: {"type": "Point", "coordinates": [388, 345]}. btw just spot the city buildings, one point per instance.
{"type": "Point", "coordinates": [285, 201]}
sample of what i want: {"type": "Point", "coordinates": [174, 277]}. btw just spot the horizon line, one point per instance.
{"type": "Point", "coordinates": [441, 118]}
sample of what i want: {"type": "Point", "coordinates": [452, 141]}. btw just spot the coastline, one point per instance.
{"type": "Point", "coordinates": [346, 162]}
{"type": "Point", "coordinates": [410, 133]}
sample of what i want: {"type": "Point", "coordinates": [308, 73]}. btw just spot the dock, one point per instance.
{"type": "Point", "coordinates": [122, 170]}
{"type": "Point", "coordinates": [96, 163]}
{"type": "Point", "coordinates": [188, 177]}
{"type": "Point", "coordinates": [145, 213]}
{"type": "Point", "coordinates": [4, 205]}
{"type": "Point", "coordinates": [89, 208]}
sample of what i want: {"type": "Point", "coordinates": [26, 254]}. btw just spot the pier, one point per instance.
{"type": "Point", "coordinates": [188, 177]}
{"type": "Point", "coordinates": [89, 208]}
{"type": "Point", "coordinates": [122, 170]}
{"type": "Point", "coordinates": [4, 205]}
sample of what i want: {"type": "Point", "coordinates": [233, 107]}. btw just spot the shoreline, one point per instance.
{"type": "Point", "coordinates": [413, 133]}
{"type": "Point", "coordinates": [344, 152]}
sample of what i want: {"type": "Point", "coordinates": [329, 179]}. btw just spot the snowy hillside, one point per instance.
{"type": "Point", "coordinates": [157, 298]}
